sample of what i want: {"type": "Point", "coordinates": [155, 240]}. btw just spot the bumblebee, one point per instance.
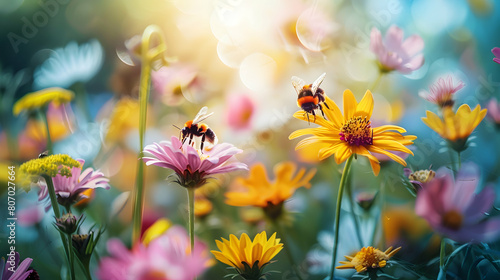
{"type": "Point", "coordinates": [43, 154]}
{"type": "Point", "coordinates": [195, 128]}
{"type": "Point", "coordinates": [310, 97]}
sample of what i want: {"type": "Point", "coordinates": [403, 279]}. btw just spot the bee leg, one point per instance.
{"type": "Point", "coordinates": [191, 139]}
{"type": "Point", "coordinates": [321, 109]}
{"type": "Point", "coordinates": [314, 114]}
{"type": "Point", "coordinates": [326, 105]}
{"type": "Point", "coordinates": [202, 142]}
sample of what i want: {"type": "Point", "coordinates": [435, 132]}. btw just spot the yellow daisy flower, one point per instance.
{"type": "Point", "coordinates": [456, 127]}
{"type": "Point", "coordinates": [351, 133]}
{"type": "Point", "coordinates": [156, 230]}
{"type": "Point", "coordinates": [368, 258]}
{"type": "Point", "coordinates": [41, 98]}
{"type": "Point", "coordinates": [247, 256]}
{"type": "Point", "coordinates": [261, 192]}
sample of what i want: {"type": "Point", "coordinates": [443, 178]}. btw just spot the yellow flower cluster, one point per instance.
{"type": "Point", "coordinates": [368, 258]}
{"type": "Point", "coordinates": [38, 99]}
{"type": "Point", "coordinates": [49, 165]}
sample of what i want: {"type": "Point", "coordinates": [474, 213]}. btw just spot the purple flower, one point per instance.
{"type": "Point", "coordinates": [166, 257]}
{"type": "Point", "coordinates": [453, 209]}
{"type": "Point", "coordinates": [496, 52]}
{"type": "Point", "coordinates": [441, 92]}
{"type": "Point", "coordinates": [69, 189]}
{"type": "Point", "coordinates": [12, 270]}
{"type": "Point", "coordinates": [395, 54]}
{"type": "Point", "coordinates": [191, 166]}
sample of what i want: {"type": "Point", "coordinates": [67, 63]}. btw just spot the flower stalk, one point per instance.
{"type": "Point", "coordinates": [342, 185]}
{"type": "Point", "coordinates": [148, 54]}
{"type": "Point", "coordinates": [43, 117]}
{"type": "Point", "coordinates": [190, 192]}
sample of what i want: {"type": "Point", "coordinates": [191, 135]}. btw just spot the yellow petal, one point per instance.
{"type": "Point", "coordinates": [365, 106]}
{"type": "Point", "coordinates": [350, 104]}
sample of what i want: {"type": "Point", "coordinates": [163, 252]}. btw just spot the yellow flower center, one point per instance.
{"type": "Point", "coordinates": [357, 131]}
{"type": "Point", "coordinates": [452, 220]}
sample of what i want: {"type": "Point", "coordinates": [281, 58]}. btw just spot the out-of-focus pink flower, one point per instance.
{"type": "Point", "coordinates": [441, 92]}
{"type": "Point", "coordinates": [453, 209]}
{"type": "Point", "coordinates": [395, 54]}
{"type": "Point", "coordinates": [30, 215]}
{"type": "Point", "coordinates": [240, 110]}
{"type": "Point", "coordinates": [191, 166]}
{"type": "Point", "coordinates": [494, 110]}
{"type": "Point", "coordinates": [69, 189]}
{"type": "Point", "coordinates": [175, 82]}
{"type": "Point", "coordinates": [166, 257]}
{"type": "Point", "coordinates": [496, 52]}
{"type": "Point", "coordinates": [12, 270]}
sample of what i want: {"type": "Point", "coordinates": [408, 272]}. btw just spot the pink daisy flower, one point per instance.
{"type": "Point", "coordinates": [453, 209]}
{"type": "Point", "coordinates": [69, 189]}
{"type": "Point", "coordinates": [191, 166]}
{"type": "Point", "coordinates": [441, 92]}
{"type": "Point", "coordinates": [395, 54]}
{"type": "Point", "coordinates": [166, 257]}
{"type": "Point", "coordinates": [496, 52]}
{"type": "Point", "coordinates": [494, 110]}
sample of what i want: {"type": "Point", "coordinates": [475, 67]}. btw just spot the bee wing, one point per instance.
{"type": "Point", "coordinates": [318, 82]}
{"type": "Point", "coordinates": [297, 83]}
{"type": "Point", "coordinates": [202, 114]}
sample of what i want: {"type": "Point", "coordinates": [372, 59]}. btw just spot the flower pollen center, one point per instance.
{"type": "Point", "coordinates": [452, 220]}
{"type": "Point", "coordinates": [357, 131]}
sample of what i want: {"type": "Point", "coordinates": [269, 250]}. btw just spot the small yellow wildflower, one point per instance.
{"type": "Point", "coordinates": [202, 206]}
{"type": "Point", "coordinates": [156, 230]}
{"type": "Point", "coordinates": [456, 127]}
{"type": "Point", "coordinates": [49, 166]}
{"type": "Point", "coordinates": [247, 256]}
{"type": "Point", "coordinates": [41, 98]}
{"type": "Point", "coordinates": [368, 258]}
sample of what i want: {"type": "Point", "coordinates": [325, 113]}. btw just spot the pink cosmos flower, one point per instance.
{"type": "Point", "coordinates": [69, 189]}
{"type": "Point", "coordinates": [395, 54]}
{"type": "Point", "coordinates": [441, 92]}
{"type": "Point", "coordinates": [12, 270]}
{"type": "Point", "coordinates": [496, 52]}
{"type": "Point", "coordinates": [175, 82]}
{"type": "Point", "coordinates": [191, 166]}
{"type": "Point", "coordinates": [453, 209]}
{"type": "Point", "coordinates": [166, 257]}
{"type": "Point", "coordinates": [494, 110]}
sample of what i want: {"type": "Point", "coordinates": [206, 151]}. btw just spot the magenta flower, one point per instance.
{"type": "Point", "coordinates": [166, 257]}
{"type": "Point", "coordinates": [441, 92]}
{"type": "Point", "coordinates": [12, 270]}
{"type": "Point", "coordinates": [395, 54]}
{"type": "Point", "coordinates": [494, 110]}
{"type": "Point", "coordinates": [191, 166]}
{"type": "Point", "coordinates": [454, 210]}
{"type": "Point", "coordinates": [240, 111]}
{"type": "Point", "coordinates": [496, 52]}
{"type": "Point", "coordinates": [69, 189]}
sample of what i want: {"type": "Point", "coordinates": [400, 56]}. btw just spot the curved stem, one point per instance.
{"type": "Point", "coordinates": [377, 81]}
{"type": "Point", "coordinates": [289, 255]}
{"type": "Point", "coordinates": [347, 167]}
{"type": "Point", "coordinates": [145, 80]}
{"type": "Point", "coordinates": [42, 116]}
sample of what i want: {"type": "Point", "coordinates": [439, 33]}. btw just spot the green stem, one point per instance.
{"type": "Point", "coordinates": [71, 257]}
{"type": "Point", "coordinates": [442, 254]}
{"type": "Point", "coordinates": [43, 117]}
{"type": "Point", "coordinates": [82, 100]}
{"type": "Point", "coordinates": [191, 215]}
{"type": "Point", "coordinates": [144, 97]}
{"type": "Point", "coordinates": [289, 255]}
{"type": "Point", "coordinates": [377, 81]}
{"type": "Point", "coordinates": [57, 213]}
{"type": "Point", "coordinates": [459, 161]}
{"type": "Point", "coordinates": [353, 214]}
{"type": "Point", "coordinates": [347, 167]}
{"type": "Point", "coordinates": [452, 164]}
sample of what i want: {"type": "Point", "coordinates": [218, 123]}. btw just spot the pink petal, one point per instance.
{"type": "Point", "coordinates": [413, 45]}
{"type": "Point", "coordinates": [479, 205]}
{"type": "Point", "coordinates": [496, 51]}
{"type": "Point", "coordinates": [376, 45]}
{"type": "Point", "coordinates": [393, 38]}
